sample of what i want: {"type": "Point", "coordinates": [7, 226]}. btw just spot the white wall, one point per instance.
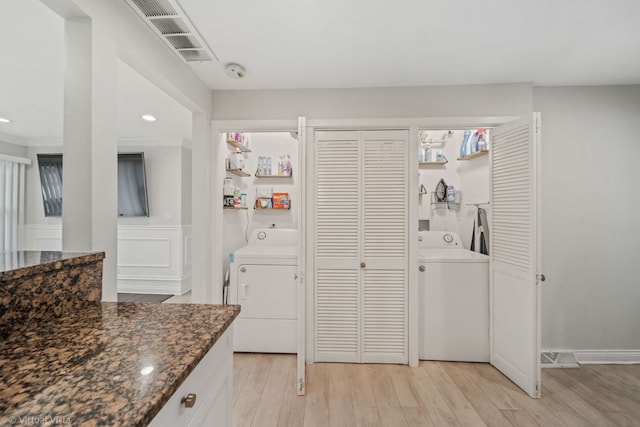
{"type": "Point", "coordinates": [235, 222]}
{"type": "Point", "coordinates": [590, 211]}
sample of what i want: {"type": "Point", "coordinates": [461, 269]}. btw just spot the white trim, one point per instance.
{"type": "Point", "coordinates": [413, 286]}
{"type": "Point", "coordinates": [143, 227]}
{"type": "Point", "coordinates": [611, 356]}
{"type": "Point", "coordinates": [154, 142]}
{"type": "Point", "coordinates": [435, 123]}
{"type": "Point", "coordinates": [285, 125]}
{"type": "Point", "coordinates": [15, 140]}
{"type": "Point", "coordinates": [44, 142]}
{"type": "Point", "coordinates": [15, 159]}
{"type": "Point", "coordinates": [153, 285]}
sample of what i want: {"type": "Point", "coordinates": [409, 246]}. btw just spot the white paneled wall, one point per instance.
{"type": "Point", "coordinates": [154, 259]}
{"type": "Point", "coordinates": [151, 259]}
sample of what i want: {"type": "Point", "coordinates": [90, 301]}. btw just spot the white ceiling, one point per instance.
{"type": "Point", "coordinates": [32, 81]}
{"type": "Point", "coordinates": [333, 43]}
{"type": "Point", "coordinates": [382, 43]}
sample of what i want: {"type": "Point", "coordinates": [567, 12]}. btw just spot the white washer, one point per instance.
{"type": "Point", "coordinates": [454, 299]}
{"type": "Point", "coordinates": [263, 281]}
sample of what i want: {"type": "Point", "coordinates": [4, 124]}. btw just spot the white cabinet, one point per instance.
{"type": "Point", "coordinates": [212, 383]}
{"type": "Point", "coordinates": [361, 246]}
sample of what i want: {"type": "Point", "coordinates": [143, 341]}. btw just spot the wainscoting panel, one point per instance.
{"type": "Point", "coordinates": [151, 259]}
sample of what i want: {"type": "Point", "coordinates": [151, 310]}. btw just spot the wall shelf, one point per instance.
{"type": "Point", "coordinates": [474, 155]}
{"type": "Point", "coordinates": [239, 146]}
{"type": "Point", "coordinates": [257, 204]}
{"type": "Point", "coordinates": [233, 209]}
{"type": "Point", "coordinates": [238, 172]}
{"type": "Point", "coordinates": [435, 163]}
{"type": "Point", "coordinates": [272, 176]}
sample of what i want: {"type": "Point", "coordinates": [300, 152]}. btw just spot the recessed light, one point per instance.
{"type": "Point", "coordinates": [149, 118]}
{"type": "Point", "coordinates": [3, 120]}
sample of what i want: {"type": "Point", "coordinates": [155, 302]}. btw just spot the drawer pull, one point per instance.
{"type": "Point", "coordinates": [189, 400]}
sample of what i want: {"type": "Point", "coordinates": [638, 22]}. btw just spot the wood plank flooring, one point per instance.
{"type": "Point", "coordinates": [435, 394]}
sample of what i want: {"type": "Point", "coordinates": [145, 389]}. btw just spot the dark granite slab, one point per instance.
{"type": "Point", "coordinates": [39, 286]}
{"type": "Point", "coordinates": [110, 364]}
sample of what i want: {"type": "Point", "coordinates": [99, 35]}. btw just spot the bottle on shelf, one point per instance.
{"type": "Point", "coordinates": [482, 142]}
{"type": "Point", "coordinates": [465, 141]}
{"type": "Point", "coordinates": [473, 146]}
{"type": "Point", "coordinates": [287, 167]}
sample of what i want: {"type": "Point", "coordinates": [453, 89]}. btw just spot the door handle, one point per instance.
{"type": "Point", "coordinates": [243, 291]}
{"type": "Point", "coordinates": [422, 268]}
{"type": "Point", "coordinates": [363, 264]}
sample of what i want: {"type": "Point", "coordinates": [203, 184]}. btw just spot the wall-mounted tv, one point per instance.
{"type": "Point", "coordinates": [132, 185]}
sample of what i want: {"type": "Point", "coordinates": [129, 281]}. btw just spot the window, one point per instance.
{"type": "Point", "coordinates": [132, 185]}
{"type": "Point", "coordinates": [50, 166]}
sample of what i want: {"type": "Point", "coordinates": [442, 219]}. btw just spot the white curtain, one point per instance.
{"type": "Point", "coordinates": [11, 202]}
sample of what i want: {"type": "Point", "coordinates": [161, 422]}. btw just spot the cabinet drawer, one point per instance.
{"type": "Point", "coordinates": [210, 381]}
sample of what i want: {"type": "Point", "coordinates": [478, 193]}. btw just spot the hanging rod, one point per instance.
{"type": "Point", "coordinates": [477, 204]}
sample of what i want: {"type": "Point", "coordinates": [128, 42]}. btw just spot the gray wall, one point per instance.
{"type": "Point", "coordinates": [589, 165]}
{"type": "Point", "coordinates": [591, 230]}
{"type": "Point", "coordinates": [426, 101]}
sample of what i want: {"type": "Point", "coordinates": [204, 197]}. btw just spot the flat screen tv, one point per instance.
{"type": "Point", "coordinates": [132, 185]}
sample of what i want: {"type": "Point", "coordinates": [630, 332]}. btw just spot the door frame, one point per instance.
{"type": "Point", "coordinates": [412, 125]}
{"type": "Point", "coordinates": [218, 127]}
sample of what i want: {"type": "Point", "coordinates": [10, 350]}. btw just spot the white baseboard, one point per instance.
{"type": "Point", "coordinates": [154, 285]}
{"type": "Point", "coordinates": [607, 356]}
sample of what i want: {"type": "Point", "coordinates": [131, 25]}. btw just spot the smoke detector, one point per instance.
{"type": "Point", "coordinates": [235, 71]}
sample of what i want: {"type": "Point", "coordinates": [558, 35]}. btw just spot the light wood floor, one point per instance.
{"type": "Point", "coordinates": [435, 394]}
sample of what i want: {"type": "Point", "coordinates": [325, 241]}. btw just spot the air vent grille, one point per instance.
{"type": "Point", "coordinates": [171, 26]}
{"type": "Point", "coordinates": [167, 19]}
{"type": "Point", "coordinates": [153, 8]}
{"type": "Point", "coordinates": [184, 42]}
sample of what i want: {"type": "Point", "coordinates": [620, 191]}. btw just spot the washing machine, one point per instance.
{"type": "Point", "coordinates": [454, 299]}
{"type": "Point", "coordinates": [263, 280]}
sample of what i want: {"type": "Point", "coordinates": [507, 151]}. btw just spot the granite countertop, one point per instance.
{"type": "Point", "coordinates": [15, 265]}
{"type": "Point", "coordinates": [110, 364]}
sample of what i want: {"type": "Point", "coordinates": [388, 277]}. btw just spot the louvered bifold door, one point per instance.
{"type": "Point", "coordinates": [514, 294]}
{"type": "Point", "coordinates": [337, 246]}
{"type": "Point", "coordinates": [385, 245]}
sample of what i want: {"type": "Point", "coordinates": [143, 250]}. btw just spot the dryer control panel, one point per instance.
{"type": "Point", "coordinates": [439, 239]}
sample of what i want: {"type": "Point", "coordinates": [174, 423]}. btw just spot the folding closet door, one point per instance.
{"type": "Point", "coordinates": [515, 253]}
{"type": "Point", "coordinates": [337, 246]}
{"type": "Point", "coordinates": [361, 244]}
{"type": "Point", "coordinates": [385, 247]}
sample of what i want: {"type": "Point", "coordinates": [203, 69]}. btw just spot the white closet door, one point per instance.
{"type": "Point", "coordinates": [514, 249]}
{"type": "Point", "coordinates": [337, 246]}
{"type": "Point", "coordinates": [385, 247]}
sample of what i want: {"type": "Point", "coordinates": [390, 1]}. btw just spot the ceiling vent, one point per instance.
{"type": "Point", "coordinates": [167, 19]}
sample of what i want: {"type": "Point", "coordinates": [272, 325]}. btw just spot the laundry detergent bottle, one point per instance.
{"type": "Point", "coordinates": [463, 145]}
